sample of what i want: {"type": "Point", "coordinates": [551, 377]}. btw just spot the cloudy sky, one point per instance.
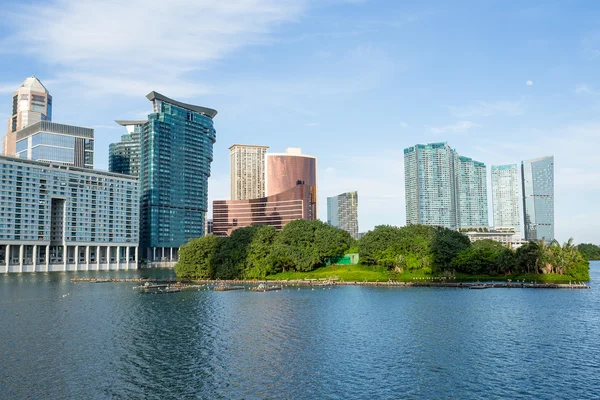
{"type": "Point", "coordinates": [352, 82]}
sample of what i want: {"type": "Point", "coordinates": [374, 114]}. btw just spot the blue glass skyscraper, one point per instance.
{"type": "Point", "coordinates": [538, 198]}
{"type": "Point", "coordinates": [176, 150]}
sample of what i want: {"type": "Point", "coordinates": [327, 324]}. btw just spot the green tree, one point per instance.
{"type": "Point", "coordinates": [259, 259]}
{"type": "Point", "coordinates": [197, 258]}
{"type": "Point", "coordinates": [446, 245]}
{"type": "Point", "coordinates": [589, 251]}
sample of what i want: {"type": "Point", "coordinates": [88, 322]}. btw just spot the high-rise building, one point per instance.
{"type": "Point", "coordinates": [247, 171]}
{"type": "Point", "coordinates": [444, 189]}
{"type": "Point", "coordinates": [62, 218]}
{"type": "Point", "coordinates": [505, 197]}
{"type": "Point", "coordinates": [31, 103]}
{"type": "Point", "coordinates": [471, 193]}
{"type": "Point", "coordinates": [124, 156]}
{"type": "Point", "coordinates": [286, 170]}
{"type": "Point", "coordinates": [537, 176]}
{"type": "Point", "coordinates": [176, 150]}
{"type": "Point", "coordinates": [298, 202]}
{"type": "Point", "coordinates": [56, 143]}
{"type": "Point", "coordinates": [342, 212]}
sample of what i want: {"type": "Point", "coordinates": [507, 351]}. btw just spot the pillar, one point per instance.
{"type": "Point", "coordinates": [7, 257]}
{"type": "Point", "coordinates": [21, 258]}
{"type": "Point", "coordinates": [87, 258]}
{"type": "Point", "coordinates": [47, 258]}
{"type": "Point", "coordinates": [136, 257]}
{"type": "Point", "coordinates": [118, 258]}
{"type": "Point", "coordinates": [35, 257]}
{"type": "Point", "coordinates": [76, 258]}
{"type": "Point", "coordinates": [65, 256]}
{"type": "Point", "coordinates": [154, 254]}
{"type": "Point", "coordinates": [127, 255]}
{"type": "Point", "coordinates": [98, 258]}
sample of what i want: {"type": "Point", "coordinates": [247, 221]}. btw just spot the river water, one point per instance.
{"type": "Point", "coordinates": [61, 340]}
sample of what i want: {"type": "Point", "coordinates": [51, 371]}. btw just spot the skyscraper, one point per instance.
{"type": "Point", "coordinates": [31, 103]}
{"type": "Point", "coordinates": [471, 193]}
{"type": "Point", "coordinates": [176, 150]}
{"type": "Point", "coordinates": [505, 197]}
{"type": "Point", "coordinates": [247, 171]}
{"type": "Point", "coordinates": [286, 170]}
{"type": "Point", "coordinates": [124, 156]}
{"type": "Point", "coordinates": [342, 212]}
{"type": "Point", "coordinates": [56, 143]}
{"type": "Point", "coordinates": [537, 177]}
{"type": "Point", "coordinates": [444, 189]}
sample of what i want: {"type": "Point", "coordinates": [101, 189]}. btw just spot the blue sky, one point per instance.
{"type": "Point", "coordinates": [352, 82]}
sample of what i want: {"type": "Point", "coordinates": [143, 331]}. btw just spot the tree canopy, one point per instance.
{"type": "Point", "coordinates": [589, 251]}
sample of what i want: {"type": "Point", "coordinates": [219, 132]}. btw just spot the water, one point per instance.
{"type": "Point", "coordinates": [60, 340]}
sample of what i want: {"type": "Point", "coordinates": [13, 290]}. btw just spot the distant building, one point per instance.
{"type": "Point", "coordinates": [505, 197]}
{"type": "Point", "coordinates": [538, 198]}
{"type": "Point", "coordinates": [208, 226]}
{"type": "Point", "coordinates": [176, 150]}
{"type": "Point", "coordinates": [61, 218]}
{"type": "Point", "coordinates": [287, 170]}
{"type": "Point", "coordinates": [443, 188]}
{"type": "Point", "coordinates": [56, 143]}
{"type": "Point", "coordinates": [342, 212]}
{"type": "Point", "coordinates": [508, 237]}
{"type": "Point", "coordinates": [247, 171]}
{"type": "Point", "coordinates": [124, 156]}
{"type": "Point", "coordinates": [31, 103]}
{"type": "Point", "coordinates": [276, 210]}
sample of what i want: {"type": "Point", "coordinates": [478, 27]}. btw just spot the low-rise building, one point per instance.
{"type": "Point", "coordinates": [506, 236]}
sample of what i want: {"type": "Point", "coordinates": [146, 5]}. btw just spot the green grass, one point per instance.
{"type": "Point", "coordinates": [362, 273]}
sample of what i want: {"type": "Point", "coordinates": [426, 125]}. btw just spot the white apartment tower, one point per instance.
{"type": "Point", "coordinates": [247, 171]}
{"type": "Point", "coordinates": [505, 196]}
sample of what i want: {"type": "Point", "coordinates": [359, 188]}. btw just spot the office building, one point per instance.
{"type": "Point", "coordinates": [124, 156]}
{"type": "Point", "coordinates": [505, 197]}
{"type": "Point", "coordinates": [31, 103]}
{"type": "Point", "coordinates": [507, 236]}
{"type": "Point", "coordinates": [342, 212]}
{"type": "Point", "coordinates": [471, 193]}
{"type": "Point", "coordinates": [247, 171]}
{"type": "Point", "coordinates": [537, 177]}
{"type": "Point", "coordinates": [443, 188]}
{"type": "Point", "coordinates": [285, 171]}
{"type": "Point", "coordinates": [56, 143]}
{"type": "Point", "coordinates": [176, 150]}
{"type": "Point", "coordinates": [56, 217]}
{"type": "Point", "coordinates": [276, 210]}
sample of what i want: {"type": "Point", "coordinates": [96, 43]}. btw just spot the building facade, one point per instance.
{"type": "Point", "coordinates": [56, 143]}
{"type": "Point", "coordinates": [342, 212]}
{"type": "Point", "coordinates": [505, 197]}
{"type": "Point", "coordinates": [247, 169]}
{"type": "Point", "coordinates": [285, 171]}
{"type": "Point", "coordinates": [31, 103]}
{"type": "Point", "coordinates": [60, 218]}
{"type": "Point", "coordinates": [537, 177]}
{"type": "Point", "coordinates": [276, 210]}
{"type": "Point", "coordinates": [506, 236]}
{"type": "Point", "coordinates": [124, 156]}
{"type": "Point", "coordinates": [176, 150]}
{"type": "Point", "coordinates": [444, 189]}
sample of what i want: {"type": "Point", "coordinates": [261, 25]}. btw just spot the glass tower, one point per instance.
{"type": "Point", "coordinates": [176, 150]}
{"type": "Point", "coordinates": [124, 156]}
{"type": "Point", "coordinates": [505, 197]}
{"type": "Point", "coordinates": [444, 189]}
{"type": "Point", "coordinates": [342, 212]}
{"type": "Point", "coordinates": [537, 176]}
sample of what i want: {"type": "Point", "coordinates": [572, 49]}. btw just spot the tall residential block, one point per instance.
{"type": "Point", "coordinates": [61, 218]}
{"type": "Point", "coordinates": [444, 189]}
{"type": "Point", "coordinates": [537, 176]}
{"type": "Point", "coordinates": [286, 170]}
{"type": "Point", "coordinates": [247, 171]}
{"type": "Point", "coordinates": [505, 197]}
{"type": "Point", "coordinates": [56, 143]}
{"type": "Point", "coordinates": [176, 151]}
{"type": "Point", "coordinates": [342, 212]}
{"type": "Point", "coordinates": [124, 156]}
{"type": "Point", "coordinates": [31, 103]}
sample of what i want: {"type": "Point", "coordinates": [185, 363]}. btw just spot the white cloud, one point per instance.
{"type": "Point", "coordinates": [312, 124]}
{"type": "Point", "coordinates": [403, 124]}
{"type": "Point", "coordinates": [458, 127]}
{"type": "Point", "coordinates": [582, 88]}
{"type": "Point", "coordinates": [123, 46]}
{"type": "Point", "coordinates": [488, 108]}
{"type": "Point", "coordinates": [529, 83]}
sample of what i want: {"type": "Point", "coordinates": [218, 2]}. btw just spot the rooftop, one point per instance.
{"type": "Point", "coordinates": [34, 83]}
{"type": "Point", "coordinates": [209, 112]}
{"type": "Point", "coordinates": [130, 122]}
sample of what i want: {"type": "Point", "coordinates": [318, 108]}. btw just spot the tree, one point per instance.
{"type": "Point", "coordinates": [197, 258]}
{"type": "Point", "coordinates": [589, 251]}
{"type": "Point", "coordinates": [446, 245]}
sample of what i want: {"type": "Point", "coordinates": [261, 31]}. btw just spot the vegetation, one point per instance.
{"type": "Point", "coordinates": [307, 250]}
{"type": "Point", "coordinates": [589, 251]}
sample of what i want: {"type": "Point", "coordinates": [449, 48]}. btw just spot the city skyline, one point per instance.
{"type": "Point", "coordinates": [387, 57]}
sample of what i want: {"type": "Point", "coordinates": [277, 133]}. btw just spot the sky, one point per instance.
{"type": "Point", "coordinates": [352, 82]}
